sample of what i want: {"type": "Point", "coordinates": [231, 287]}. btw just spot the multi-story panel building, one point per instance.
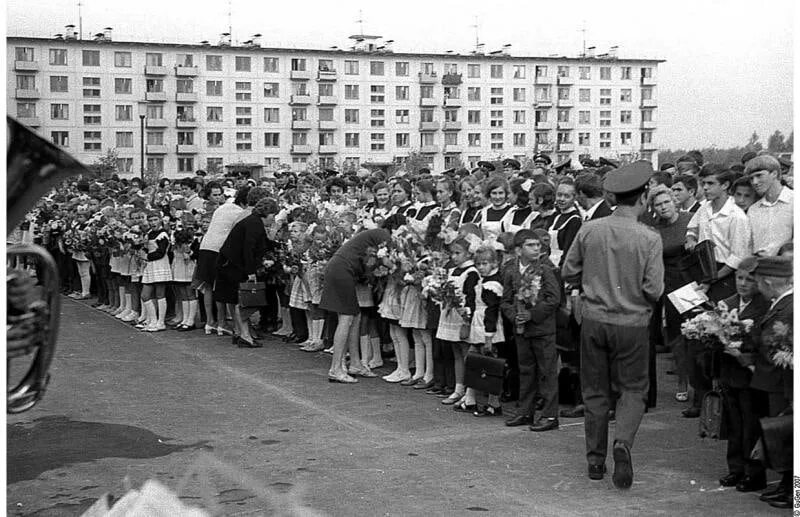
{"type": "Point", "coordinates": [214, 105]}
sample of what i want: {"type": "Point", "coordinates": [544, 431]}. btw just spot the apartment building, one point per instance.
{"type": "Point", "coordinates": [183, 107]}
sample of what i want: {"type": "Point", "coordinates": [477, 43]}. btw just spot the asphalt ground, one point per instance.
{"type": "Point", "coordinates": [261, 431]}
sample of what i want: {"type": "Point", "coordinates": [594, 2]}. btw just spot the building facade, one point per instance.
{"type": "Point", "coordinates": [210, 106]}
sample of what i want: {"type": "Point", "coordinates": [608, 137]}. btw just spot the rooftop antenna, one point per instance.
{"type": "Point", "coordinates": [583, 32]}
{"type": "Point", "coordinates": [80, 21]}
{"type": "Point", "coordinates": [230, 20]}
{"type": "Point", "coordinates": [360, 22]}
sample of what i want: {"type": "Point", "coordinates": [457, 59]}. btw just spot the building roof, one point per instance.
{"type": "Point", "coordinates": [329, 52]}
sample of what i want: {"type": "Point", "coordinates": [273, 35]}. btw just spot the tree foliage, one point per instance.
{"type": "Point", "coordinates": [106, 164]}
{"type": "Point", "coordinates": [732, 155]}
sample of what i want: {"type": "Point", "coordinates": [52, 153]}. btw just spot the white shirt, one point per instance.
{"type": "Point", "coordinates": [728, 229]}
{"type": "Point", "coordinates": [220, 226]}
{"type": "Point", "coordinates": [590, 212]}
{"type": "Point", "coordinates": [781, 297]}
{"type": "Point", "coordinates": [772, 223]}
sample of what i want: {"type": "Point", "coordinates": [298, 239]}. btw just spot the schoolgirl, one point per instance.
{"type": "Point", "coordinates": [157, 273]}
{"type": "Point", "coordinates": [491, 217]}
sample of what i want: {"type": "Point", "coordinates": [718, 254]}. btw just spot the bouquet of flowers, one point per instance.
{"type": "Point", "coordinates": [778, 338]}
{"type": "Point", "coordinates": [528, 292]}
{"type": "Point", "coordinates": [717, 329]}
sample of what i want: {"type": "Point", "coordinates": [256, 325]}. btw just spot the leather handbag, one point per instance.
{"type": "Point", "coordinates": [484, 373]}
{"type": "Point", "coordinates": [712, 417]}
{"type": "Point", "coordinates": [776, 438]}
{"type": "Point", "coordinates": [704, 251]}
{"type": "Point", "coordinates": [252, 294]}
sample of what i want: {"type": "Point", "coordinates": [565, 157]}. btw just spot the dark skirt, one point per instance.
{"type": "Point", "coordinates": [206, 270]}
{"type": "Point", "coordinates": [226, 286]}
{"type": "Point", "coordinates": [339, 289]}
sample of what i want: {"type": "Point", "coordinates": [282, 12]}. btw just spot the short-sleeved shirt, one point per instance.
{"type": "Point", "coordinates": [772, 223]}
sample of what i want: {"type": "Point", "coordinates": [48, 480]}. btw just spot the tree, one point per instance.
{"type": "Point", "coordinates": [789, 144]}
{"type": "Point", "coordinates": [213, 168]}
{"type": "Point", "coordinates": [415, 162]}
{"type": "Point", "coordinates": [775, 143]}
{"type": "Point", "coordinates": [753, 144]}
{"type": "Point", "coordinates": [106, 164]}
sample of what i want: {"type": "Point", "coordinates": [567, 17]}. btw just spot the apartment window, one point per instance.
{"type": "Point", "coordinates": [214, 139]}
{"type": "Point", "coordinates": [242, 63]}
{"type": "Point", "coordinates": [451, 115]}
{"type": "Point", "coordinates": [214, 63]}
{"type": "Point", "coordinates": [155, 165]}
{"type": "Point", "coordinates": [123, 112]}
{"type": "Point", "coordinates": [647, 137]}
{"type": "Point", "coordinates": [185, 85]}
{"type": "Point", "coordinates": [155, 111]}
{"type": "Point", "coordinates": [452, 92]}
{"type": "Point", "coordinates": [124, 138]}
{"type": "Point", "coordinates": [401, 93]}
{"type": "Point", "coordinates": [625, 117]}
{"type": "Point", "coordinates": [184, 60]}
{"type": "Point", "coordinates": [542, 93]}
{"type": "Point", "coordinates": [585, 95]}
{"type": "Point", "coordinates": [326, 114]}
{"type": "Point", "coordinates": [473, 116]}
{"type": "Point", "coordinates": [351, 91]}
{"type": "Point", "coordinates": [244, 141]}
{"type": "Point", "coordinates": [154, 59]}
{"type": "Point", "coordinates": [325, 90]}
{"type": "Point", "coordinates": [625, 138]}
{"type": "Point", "coordinates": [272, 115]}
{"type": "Point", "coordinates": [584, 117]}
{"type": "Point", "coordinates": [299, 163]}
{"type": "Point", "coordinates": [92, 146]}
{"type": "Point", "coordinates": [496, 118]}
{"type": "Point", "coordinates": [647, 72]}
{"type": "Point", "coordinates": [214, 88]}
{"type": "Point", "coordinates": [519, 94]}
{"type": "Point", "coordinates": [519, 116]}
{"type": "Point", "coordinates": [605, 118]}
{"type": "Point", "coordinates": [585, 72]}
{"type": "Point", "coordinates": [427, 69]}
{"type": "Point", "coordinates": [542, 138]}
{"type": "Point", "coordinates": [584, 139]}
{"type": "Point", "coordinates": [625, 73]}
{"type": "Point", "coordinates": [91, 58]}
{"type": "Point", "coordinates": [351, 116]}
{"type": "Point", "coordinates": [496, 71]}
{"type": "Point", "coordinates": [299, 114]}
{"type": "Point", "coordinates": [59, 83]}
{"type": "Point", "coordinates": [541, 71]}
{"type": "Point", "coordinates": [376, 68]}
{"type": "Point", "coordinates": [326, 138]}
{"type": "Point", "coordinates": [605, 140]}
{"type": "Point", "coordinates": [155, 138]}
{"type": "Point", "coordinates": [123, 85]}
{"type": "Point", "coordinates": [519, 139]}
{"type": "Point", "coordinates": [605, 73]}
{"type": "Point", "coordinates": [214, 113]}
{"type": "Point", "coordinates": [94, 118]}
{"type": "Point", "coordinates": [91, 92]}
{"type": "Point", "coordinates": [402, 140]}
{"type": "Point", "coordinates": [451, 138]}
{"type": "Point", "coordinates": [300, 89]}
{"type": "Point", "coordinates": [401, 69]}
{"type": "Point", "coordinates": [185, 113]}
{"type": "Point", "coordinates": [474, 71]}
{"type": "Point", "coordinates": [497, 141]}
{"type": "Point", "coordinates": [647, 115]}
{"type": "Point", "coordinates": [647, 94]}
{"type": "Point", "coordinates": [563, 115]}
{"type": "Point", "coordinates": [271, 65]}
{"type": "Point", "coordinates": [563, 71]}
{"type": "Point", "coordinates": [377, 141]}
{"type": "Point", "coordinates": [541, 116]}
{"type": "Point", "coordinates": [426, 91]}
{"type": "Point", "coordinates": [563, 93]}
{"type": "Point", "coordinates": [451, 68]}
{"type": "Point", "coordinates": [325, 65]}
{"type": "Point", "coordinates": [58, 57]}
{"type": "Point", "coordinates": [271, 139]}
{"type": "Point", "coordinates": [28, 109]}
{"type": "Point", "coordinates": [377, 93]}
{"type": "Point", "coordinates": [271, 89]}
{"type": "Point", "coordinates": [519, 71]}
{"type": "Point", "coordinates": [244, 115]}
{"type": "Point", "coordinates": [271, 163]}
{"type": "Point", "coordinates": [473, 93]}
{"type": "Point", "coordinates": [351, 67]}
{"type": "Point", "coordinates": [426, 139]}
{"type": "Point", "coordinates": [496, 96]}
{"type": "Point", "coordinates": [605, 96]}
{"type": "Point", "coordinates": [401, 116]}
{"type": "Point", "coordinates": [298, 64]}
{"type": "Point", "coordinates": [426, 115]}
{"type": "Point", "coordinates": [377, 118]}
{"type": "Point", "coordinates": [60, 138]}
{"type": "Point", "coordinates": [243, 91]}
{"type": "Point", "coordinates": [351, 140]}
{"type": "Point", "coordinates": [563, 137]}
{"type": "Point", "coordinates": [26, 82]}
{"type": "Point", "coordinates": [186, 164]}
{"type": "Point", "coordinates": [474, 139]}
{"type": "Point", "coordinates": [625, 95]}
{"type": "Point", "coordinates": [157, 85]}
{"type": "Point", "coordinates": [125, 165]}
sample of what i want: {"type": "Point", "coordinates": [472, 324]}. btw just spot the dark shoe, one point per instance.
{"type": "Point", "coordinates": [243, 343]}
{"type": "Point", "coordinates": [691, 412]}
{"type": "Point", "coordinates": [507, 397]}
{"type": "Point", "coordinates": [421, 385]}
{"type": "Point", "coordinates": [489, 411]}
{"type": "Point", "coordinates": [785, 502]}
{"type": "Point", "coordinates": [297, 339]}
{"type": "Point", "coordinates": [435, 390]}
{"type": "Point", "coordinates": [773, 493]}
{"type": "Point", "coordinates": [731, 479]}
{"type": "Point", "coordinates": [235, 339]}
{"type": "Point", "coordinates": [289, 338]}
{"type": "Point", "coordinates": [410, 382]}
{"type": "Point", "coordinates": [597, 472]}
{"type": "Point", "coordinates": [575, 412]}
{"type": "Point", "coordinates": [518, 421]}
{"type": "Point", "coordinates": [623, 468]}
{"type": "Point", "coordinates": [465, 408]}
{"type": "Point", "coordinates": [752, 483]}
{"type": "Point", "coordinates": [544, 424]}
{"type": "Point", "coordinates": [445, 393]}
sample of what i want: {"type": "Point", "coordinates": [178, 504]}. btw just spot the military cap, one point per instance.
{"type": "Point", "coordinates": [774, 266]}
{"type": "Point", "coordinates": [489, 166]}
{"type": "Point", "coordinates": [629, 177]}
{"type": "Point", "coordinates": [749, 155]}
{"type": "Point", "coordinates": [566, 164]}
{"type": "Point", "coordinates": [541, 157]}
{"type": "Point", "coordinates": [511, 163]}
{"type": "Point", "coordinates": [666, 166]}
{"type": "Point", "coordinates": [587, 162]}
{"type": "Point", "coordinates": [424, 170]}
{"type": "Point", "coordinates": [785, 164]}
{"type": "Point", "coordinates": [329, 172]}
{"type": "Point", "coordinates": [748, 264]}
{"type": "Point", "coordinates": [609, 162]}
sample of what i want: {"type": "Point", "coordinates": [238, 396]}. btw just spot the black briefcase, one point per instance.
{"type": "Point", "coordinates": [712, 422]}
{"type": "Point", "coordinates": [704, 251]}
{"type": "Point", "coordinates": [252, 294]}
{"type": "Point", "coordinates": [484, 373]}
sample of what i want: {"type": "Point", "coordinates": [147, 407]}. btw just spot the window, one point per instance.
{"type": "Point", "coordinates": [605, 118]}
{"type": "Point", "coordinates": [563, 71]}
{"type": "Point", "coordinates": [325, 89]}
{"type": "Point", "coordinates": [155, 165]}
{"type": "Point", "coordinates": [647, 137]}
{"type": "Point", "coordinates": [350, 116]}
{"type": "Point", "coordinates": [401, 116]}
{"type": "Point", "coordinates": [605, 73]}
{"type": "Point", "coordinates": [272, 115]}
{"type": "Point", "coordinates": [563, 137]}
{"type": "Point", "coordinates": [351, 140]}
{"type": "Point", "coordinates": [584, 117]}
{"type": "Point", "coordinates": [427, 69]}
{"type": "Point", "coordinates": [271, 65]}
{"type": "Point", "coordinates": [26, 82]}
{"type": "Point", "coordinates": [377, 118]}
{"type": "Point", "coordinates": [474, 71]}
{"type": "Point", "coordinates": [605, 96]}
{"type": "Point", "coordinates": [214, 88]}
{"type": "Point", "coordinates": [326, 114]}
{"type": "Point", "coordinates": [185, 85]}
{"type": "Point", "coordinates": [496, 71]}
{"type": "Point", "coordinates": [377, 93]}
{"type": "Point", "coordinates": [123, 85]}
{"type": "Point", "coordinates": [563, 115]}
{"type": "Point", "coordinates": [519, 116]}
{"type": "Point", "coordinates": [401, 93]}
{"type": "Point", "coordinates": [542, 138]}
{"type": "Point", "coordinates": [496, 118]}
{"type": "Point", "coordinates": [452, 92]}
{"type": "Point", "coordinates": [157, 85]}
{"type": "Point", "coordinates": [214, 63]}
{"type": "Point", "coordinates": [542, 93]}
{"type": "Point", "coordinates": [299, 138]}
{"type": "Point", "coordinates": [519, 94]}
{"type": "Point", "coordinates": [214, 139]}
{"type": "Point", "coordinates": [647, 72]}
{"type": "Point", "coordinates": [243, 91]}
{"type": "Point", "coordinates": [426, 139]}
{"type": "Point", "coordinates": [585, 95]}
{"type": "Point", "coordinates": [351, 91]}
{"type": "Point", "coordinates": [625, 117]}
{"type": "Point", "coordinates": [124, 138]}
{"type": "Point", "coordinates": [186, 164]}
{"type": "Point", "coordinates": [376, 68]}
{"type": "Point", "coordinates": [58, 57]}
{"type": "Point", "coordinates": [541, 71]}
{"type": "Point", "coordinates": [473, 117]}
{"type": "Point", "coordinates": [451, 115]}
{"type": "Point", "coordinates": [497, 141]}
{"type": "Point", "coordinates": [244, 141]}
{"type": "Point", "coordinates": [625, 95]}
{"type": "Point", "coordinates": [326, 138]}
{"type": "Point", "coordinates": [474, 139]}
{"type": "Point", "coordinates": [563, 93]}
{"type": "Point", "coordinates": [184, 60]}
{"type": "Point", "coordinates": [155, 111]}
{"type": "Point", "coordinates": [271, 139]}
{"type": "Point", "coordinates": [625, 73]}
{"type": "Point", "coordinates": [377, 141]}
{"type": "Point", "coordinates": [605, 140]}
{"type": "Point", "coordinates": [647, 115]}
{"type": "Point", "coordinates": [91, 57]}
{"type": "Point", "coordinates": [519, 71]}
{"type": "Point", "coordinates": [92, 146]}
{"type": "Point", "coordinates": [298, 64]}
{"type": "Point", "coordinates": [473, 93]}
{"type": "Point", "coordinates": [496, 96]}
{"type": "Point", "coordinates": [451, 68]}
{"type": "Point", "coordinates": [91, 92]}
{"type": "Point", "coordinates": [299, 163]}
{"type": "Point", "coordinates": [351, 67]}
{"type": "Point", "coordinates": [299, 114]}
{"type": "Point", "coordinates": [125, 165]}
{"type": "Point", "coordinates": [584, 139]}
{"type": "Point", "coordinates": [401, 69]}
{"type": "Point", "coordinates": [625, 138]}
{"type": "Point", "coordinates": [325, 65]}
{"type": "Point", "coordinates": [519, 139]}
{"type": "Point", "coordinates": [154, 59]}
{"type": "Point", "coordinates": [244, 115]}
{"type": "Point", "coordinates": [60, 138]}
{"type": "Point", "coordinates": [214, 113]}
{"type": "Point", "coordinates": [59, 83]}
{"type": "Point", "coordinates": [185, 113]}
{"type": "Point", "coordinates": [123, 112]}
{"type": "Point", "coordinates": [270, 89]}
{"type": "Point", "coordinates": [541, 116]}
{"type": "Point", "coordinates": [426, 115]}
{"type": "Point", "coordinates": [28, 110]}
{"type": "Point", "coordinates": [647, 94]}
{"type": "Point", "coordinates": [242, 63]}
{"type": "Point", "coordinates": [585, 72]}
{"type": "Point", "coordinates": [93, 119]}
{"type": "Point", "coordinates": [402, 140]}
{"type": "Point", "coordinates": [270, 163]}
{"type": "Point", "coordinates": [451, 138]}
{"type": "Point", "coordinates": [426, 91]}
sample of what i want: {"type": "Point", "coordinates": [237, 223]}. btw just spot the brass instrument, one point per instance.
{"type": "Point", "coordinates": [33, 167]}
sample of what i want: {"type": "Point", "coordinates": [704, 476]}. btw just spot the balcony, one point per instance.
{"type": "Point", "coordinates": [26, 66]}
{"type": "Point", "coordinates": [649, 103]}
{"type": "Point", "coordinates": [327, 100]}
{"type": "Point", "coordinates": [544, 126]}
{"type": "Point", "coordinates": [301, 124]}
{"type": "Point", "coordinates": [543, 79]}
{"type": "Point", "coordinates": [155, 122]}
{"type": "Point", "coordinates": [566, 125]}
{"type": "Point", "coordinates": [155, 70]}
{"type": "Point", "coordinates": [453, 149]}
{"type": "Point", "coordinates": [328, 149]}
{"type": "Point", "coordinates": [301, 149]}
{"type": "Point", "coordinates": [648, 124]}
{"type": "Point", "coordinates": [451, 102]}
{"type": "Point", "coordinates": [327, 75]}
{"type": "Point", "coordinates": [452, 126]}
{"type": "Point", "coordinates": [565, 81]}
{"type": "Point", "coordinates": [647, 81]}
{"type": "Point", "coordinates": [566, 147]}
{"type": "Point", "coordinates": [186, 149]}
{"type": "Point", "coordinates": [30, 121]}
{"type": "Point", "coordinates": [429, 149]}
{"type": "Point", "coordinates": [328, 124]}
{"type": "Point", "coordinates": [429, 126]}
{"type": "Point", "coordinates": [649, 146]}
{"type": "Point", "coordinates": [543, 103]}
{"type": "Point", "coordinates": [427, 78]}
{"type": "Point", "coordinates": [27, 93]}
{"type": "Point", "coordinates": [155, 96]}
{"type": "Point", "coordinates": [451, 79]}
{"type": "Point", "coordinates": [300, 99]}
{"type": "Point", "coordinates": [156, 149]}
{"type": "Point", "coordinates": [186, 97]}
{"type": "Point", "coordinates": [300, 75]}
{"type": "Point", "coordinates": [427, 102]}
{"type": "Point", "coordinates": [185, 122]}
{"type": "Point", "coordinates": [566, 103]}
{"type": "Point", "coordinates": [186, 71]}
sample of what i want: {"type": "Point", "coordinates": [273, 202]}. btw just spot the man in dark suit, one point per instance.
{"type": "Point", "coordinates": [742, 403]}
{"type": "Point", "coordinates": [589, 195]}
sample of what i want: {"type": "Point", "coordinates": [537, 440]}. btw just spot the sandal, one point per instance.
{"type": "Point", "coordinates": [463, 407]}
{"type": "Point", "coordinates": [489, 411]}
{"type": "Point", "coordinates": [682, 396]}
{"type": "Point", "coordinates": [453, 398]}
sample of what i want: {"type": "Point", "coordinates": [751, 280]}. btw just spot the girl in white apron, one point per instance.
{"type": "Point", "coordinates": [491, 218]}
{"type": "Point", "coordinates": [566, 223]}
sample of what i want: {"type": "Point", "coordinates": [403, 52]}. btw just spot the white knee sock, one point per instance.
{"type": "Point", "coordinates": [162, 310]}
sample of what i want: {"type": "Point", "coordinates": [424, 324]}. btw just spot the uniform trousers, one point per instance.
{"type": "Point", "coordinates": [538, 373]}
{"type": "Point", "coordinates": [618, 356]}
{"type": "Point", "coordinates": [743, 407]}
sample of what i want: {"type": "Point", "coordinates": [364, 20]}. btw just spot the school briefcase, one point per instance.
{"type": "Point", "coordinates": [252, 294]}
{"type": "Point", "coordinates": [484, 373]}
{"type": "Point", "coordinates": [704, 251]}
{"type": "Point", "coordinates": [776, 435]}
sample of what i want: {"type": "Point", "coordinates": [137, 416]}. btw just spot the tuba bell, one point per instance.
{"type": "Point", "coordinates": [33, 167]}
